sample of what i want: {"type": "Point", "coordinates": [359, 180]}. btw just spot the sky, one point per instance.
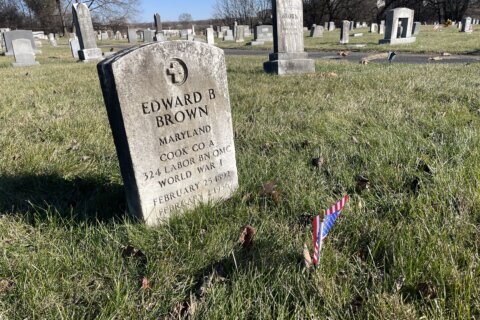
{"type": "Point", "coordinates": [170, 9]}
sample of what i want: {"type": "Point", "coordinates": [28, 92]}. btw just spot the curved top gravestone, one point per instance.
{"type": "Point", "coordinates": [169, 110]}
{"type": "Point", "coordinates": [84, 26]}
{"type": "Point", "coordinates": [9, 36]}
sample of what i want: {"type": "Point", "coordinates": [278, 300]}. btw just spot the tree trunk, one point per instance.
{"type": "Point", "coordinates": [62, 17]}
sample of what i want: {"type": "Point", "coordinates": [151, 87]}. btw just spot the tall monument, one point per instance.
{"type": "Point", "coordinates": [289, 56]}
{"type": "Point", "coordinates": [85, 33]}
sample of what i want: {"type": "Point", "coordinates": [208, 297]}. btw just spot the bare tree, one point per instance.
{"type": "Point", "coordinates": [244, 11]}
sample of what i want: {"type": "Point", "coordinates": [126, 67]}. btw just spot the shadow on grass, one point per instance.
{"type": "Point", "coordinates": [42, 197]}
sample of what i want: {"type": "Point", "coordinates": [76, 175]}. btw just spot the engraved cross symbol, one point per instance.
{"type": "Point", "coordinates": [176, 71]}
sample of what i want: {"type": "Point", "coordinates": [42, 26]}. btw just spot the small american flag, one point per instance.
{"type": "Point", "coordinates": [322, 228]}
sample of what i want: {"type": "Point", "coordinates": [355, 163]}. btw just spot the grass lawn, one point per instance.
{"type": "Point", "coordinates": [428, 41]}
{"type": "Point", "coordinates": [412, 130]}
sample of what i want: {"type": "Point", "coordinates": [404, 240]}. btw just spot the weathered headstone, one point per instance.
{"type": "Point", "coordinates": [358, 25]}
{"type": "Point", "coordinates": [157, 22]}
{"type": "Point", "coordinates": [228, 36]}
{"type": "Point", "coordinates": [148, 35]}
{"type": "Point", "coordinates": [240, 35]}
{"type": "Point", "coordinates": [331, 26]}
{"type": "Point", "coordinates": [172, 126]}
{"type": "Point", "coordinates": [23, 52]}
{"type": "Point", "coordinates": [263, 33]}
{"type": "Point", "coordinates": [210, 38]}
{"type": "Point", "coordinates": [104, 36]}
{"type": "Point", "coordinates": [373, 28]}
{"type": "Point", "coordinates": [352, 25]}
{"type": "Point", "coordinates": [316, 32]}
{"type": "Point", "coordinates": [416, 28]}
{"type": "Point", "coordinates": [74, 47]}
{"type": "Point", "coordinates": [132, 35]}
{"type": "Point", "coordinates": [399, 27]}
{"type": "Point", "coordinates": [118, 35]}
{"type": "Point", "coordinates": [85, 34]}
{"type": "Point", "coordinates": [381, 27]}
{"type": "Point", "coordinates": [467, 25]}
{"type": "Point", "coordinates": [235, 25]}
{"type": "Point", "coordinates": [289, 56]}
{"type": "Point", "coordinates": [9, 36]}
{"type": "Point", "coordinates": [345, 32]}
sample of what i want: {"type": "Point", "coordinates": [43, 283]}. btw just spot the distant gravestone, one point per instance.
{"type": "Point", "coordinates": [210, 38]}
{"type": "Point", "coordinates": [240, 34]}
{"type": "Point", "coordinates": [85, 34]}
{"type": "Point", "coordinates": [381, 27]}
{"type": "Point", "coordinates": [316, 32]}
{"type": "Point", "coordinates": [148, 35]}
{"type": "Point", "coordinates": [467, 25]}
{"type": "Point", "coordinates": [325, 26]}
{"type": "Point", "coordinates": [373, 28]}
{"type": "Point", "coordinates": [228, 35]}
{"type": "Point", "coordinates": [352, 25]}
{"type": "Point", "coordinates": [289, 56]}
{"type": "Point", "coordinates": [172, 126]}
{"type": "Point", "coordinates": [235, 25]}
{"type": "Point", "coordinates": [345, 32]}
{"type": "Point", "coordinates": [263, 33]}
{"type": "Point", "coordinates": [399, 27]}
{"type": "Point", "coordinates": [118, 35]}
{"type": "Point", "coordinates": [132, 35]}
{"type": "Point", "coordinates": [110, 34]}
{"type": "Point", "coordinates": [331, 26]}
{"type": "Point", "coordinates": [104, 36]}
{"type": "Point", "coordinates": [358, 25]}
{"type": "Point", "coordinates": [74, 47]}
{"type": "Point", "coordinates": [190, 37]}
{"type": "Point", "coordinates": [416, 28]}
{"type": "Point", "coordinates": [9, 36]}
{"type": "Point", "coordinates": [157, 22]}
{"type": "Point", "coordinates": [23, 52]}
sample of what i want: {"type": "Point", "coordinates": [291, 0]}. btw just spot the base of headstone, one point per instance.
{"type": "Point", "coordinates": [289, 63]}
{"type": "Point", "coordinates": [257, 43]}
{"type": "Point", "coordinates": [398, 40]}
{"type": "Point", "coordinates": [344, 42]}
{"type": "Point", "coordinates": [239, 41]}
{"type": "Point", "coordinates": [228, 38]}
{"type": "Point", "coordinates": [19, 65]}
{"type": "Point", "coordinates": [90, 54]}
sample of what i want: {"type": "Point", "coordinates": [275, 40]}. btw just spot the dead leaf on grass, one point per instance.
{"type": "Point", "coordinates": [270, 189]}
{"type": "Point", "coordinates": [427, 290]}
{"type": "Point", "coordinates": [145, 283]}
{"type": "Point", "coordinates": [74, 146]}
{"type": "Point", "coordinates": [130, 251]}
{"type": "Point", "coordinates": [6, 286]}
{"type": "Point", "coordinates": [246, 237]}
{"type": "Point", "coordinates": [363, 183]}
{"type": "Point", "coordinates": [317, 162]}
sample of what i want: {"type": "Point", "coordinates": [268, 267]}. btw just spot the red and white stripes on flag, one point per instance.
{"type": "Point", "coordinates": [322, 228]}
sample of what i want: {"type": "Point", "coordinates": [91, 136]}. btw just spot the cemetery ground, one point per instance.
{"type": "Point", "coordinates": [402, 140]}
{"type": "Point", "coordinates": [446, 39]}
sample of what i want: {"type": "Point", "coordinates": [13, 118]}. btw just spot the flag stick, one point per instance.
{"type": "Point", "coordinates": [320, 241]}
